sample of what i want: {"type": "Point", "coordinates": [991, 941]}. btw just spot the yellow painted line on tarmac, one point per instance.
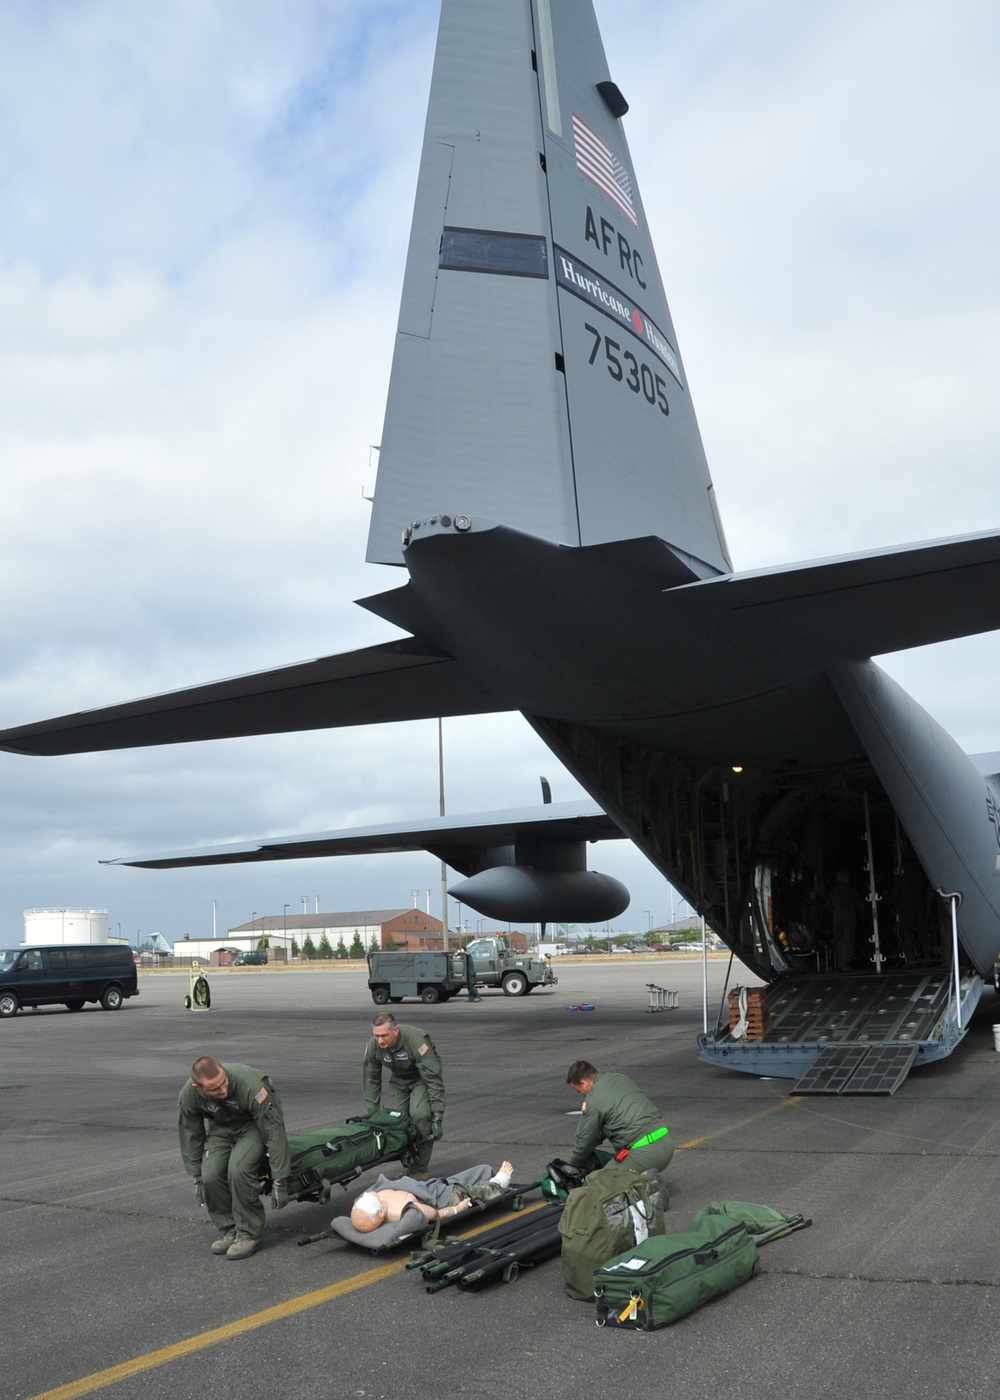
{"type": "Point", "coordinates": [764, 1113]}
{"type": "Point", "coordinates": [86, 1385]}
{"type": "Point", "coordinates": [99, 1379]}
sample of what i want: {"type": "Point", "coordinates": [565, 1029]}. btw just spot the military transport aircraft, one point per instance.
{"type": "Point", "coordinates": [542, 480]}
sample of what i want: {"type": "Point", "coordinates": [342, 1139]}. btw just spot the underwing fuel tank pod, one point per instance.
{"type": "Point", "coordinates": [543, 487]}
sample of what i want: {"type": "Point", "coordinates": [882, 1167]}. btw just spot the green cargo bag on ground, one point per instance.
{"type": "Point", "coordinates": [763, 1222]}
{"type": "Point", "coordinates": [335, 1156]}
{"type": "Point", "coordinates": [668, 1276]}
{"type": "Point", "coordinates": [617, 1208]}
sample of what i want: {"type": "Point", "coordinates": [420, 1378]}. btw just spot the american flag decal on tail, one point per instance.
{"type": "Point", "coordinates": [596, 160]}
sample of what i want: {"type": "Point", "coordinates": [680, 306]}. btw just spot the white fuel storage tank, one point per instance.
{"type": "Point", "coordinates": [65, 926]}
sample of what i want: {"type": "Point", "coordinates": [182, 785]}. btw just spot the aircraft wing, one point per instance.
{"type": "Point", "coordinates": [398, 680]}
{"type": "Point", "coordinates": [445, 837]}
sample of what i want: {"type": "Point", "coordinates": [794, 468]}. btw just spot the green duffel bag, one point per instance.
{"type": "Point", "coordinates": [335, 1156]}
{"type": "Point", "coordinates": [617, 1208]}
{"type": "Point", "coordinates": [668, 1276]}
{"type": "Point", "coordinates": [763, 1222]}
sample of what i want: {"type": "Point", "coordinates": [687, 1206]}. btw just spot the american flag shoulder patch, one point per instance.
{"type": "Point", "coordinates": [261, 1094]}
{"type": "Point", "coordinates": [423, 1048]}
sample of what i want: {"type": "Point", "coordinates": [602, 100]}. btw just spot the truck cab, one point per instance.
{"type": "Point", "coordinates": [498, 965]}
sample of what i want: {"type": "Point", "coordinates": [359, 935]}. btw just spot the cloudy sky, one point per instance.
{"type": "Point", "coordinates": [204, 207]}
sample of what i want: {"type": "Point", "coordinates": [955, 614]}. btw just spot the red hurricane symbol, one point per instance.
{"type": "Point", "coordinates": [637, 321]}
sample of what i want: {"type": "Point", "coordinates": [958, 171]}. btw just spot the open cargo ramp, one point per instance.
{"type": "Point", "coordinates": [851, 1033]}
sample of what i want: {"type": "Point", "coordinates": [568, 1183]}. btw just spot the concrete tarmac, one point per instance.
{"type": "Point", "coordinates": [109, 1287]}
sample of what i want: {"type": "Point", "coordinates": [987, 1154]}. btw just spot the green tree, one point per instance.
{"type": "Point", "coordinates": [264, 942]}
{"type": "Point", "coordinates": [341, 947]}
{"type": "Point", "coordinates": [324, 950]}
{"type": "Point", "coordinates": [357, 947]}
{"type": "Point", "coordinates": [295, 949]}
{"type": "Point", "coordinates": [309, 947]}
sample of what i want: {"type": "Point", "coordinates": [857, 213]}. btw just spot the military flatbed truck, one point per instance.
{"type": "Point", "coordinates": [437, 976]}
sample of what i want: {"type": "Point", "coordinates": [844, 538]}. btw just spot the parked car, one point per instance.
{"type": "Point", "coordinates": [254, 958]}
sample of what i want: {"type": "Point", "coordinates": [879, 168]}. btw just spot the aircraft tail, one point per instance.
{"type": "Point", "coordinates": [536, 378]}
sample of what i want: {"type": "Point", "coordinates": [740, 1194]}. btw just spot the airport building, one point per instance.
{"type": "Point", "coordinates": [369, 928]}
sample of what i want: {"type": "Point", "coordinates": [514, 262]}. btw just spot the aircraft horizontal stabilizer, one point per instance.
{"type": "Point", "coordinates": [399, 680]}
{"type": "Point", "coordinates": [452, 839]}
{"type": "Point", "coordinates": [871, 604]}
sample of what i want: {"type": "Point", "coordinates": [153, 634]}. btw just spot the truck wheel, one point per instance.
{"type": "Point", "coordinates": [75, 1005]}
{"type": "Point", "coordinates": [8, 1004]}
{"type": "Point", "coordinates": [395, 1000]}
{"type": "Point", "coordinates": [111, 998]}
{"type": "Point", "coordinates": [515, 984]}
{"type": "Point", "coordinates": [430, 995]}
{"type": "Point", "coordinates": [380, 995]}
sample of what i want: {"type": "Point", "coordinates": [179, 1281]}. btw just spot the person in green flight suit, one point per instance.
{"type": "Point", "coordinates": [415, 1085]}
{"type": "Point", "coordinates": [616, 1109]}
{"type": "Point", "coordinates": [229, 1116]}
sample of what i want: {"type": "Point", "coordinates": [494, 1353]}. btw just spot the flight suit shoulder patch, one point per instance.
{"type": "Point", "coordinates": [261, 1095]}
{"type": "Point", "coordinates": [423, 1048]}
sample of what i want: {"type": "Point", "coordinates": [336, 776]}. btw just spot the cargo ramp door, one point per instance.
{"type": "Point", "coordinates": [847, 1033]}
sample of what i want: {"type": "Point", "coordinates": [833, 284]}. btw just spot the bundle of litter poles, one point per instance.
{"type": "Point", "coordinates": [497, 1254]}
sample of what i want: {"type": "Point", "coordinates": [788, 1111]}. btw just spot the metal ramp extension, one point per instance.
{"type": "Point", "coordinates": [857, 1069]}
{"type": "Point", "coordinates": [850, 1033]}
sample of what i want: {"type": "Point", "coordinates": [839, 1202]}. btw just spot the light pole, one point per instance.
{"type": "Point", "coordinates": [305, 903]}
{"type": "Point", "coordinates": [444, 868]}
{"type": "Point", "coordinates": [284, 928]}
{"type": "Point", "coordinates": [253, 920]}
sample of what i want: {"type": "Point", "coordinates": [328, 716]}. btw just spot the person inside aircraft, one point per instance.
{"type": "Point", "coordinates": [909, 897]}
{"type": "Point", "coordinates": [847, 911]}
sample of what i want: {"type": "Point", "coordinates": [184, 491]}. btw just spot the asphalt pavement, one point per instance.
{"type": "Point", "coordinates": [109, 1286]}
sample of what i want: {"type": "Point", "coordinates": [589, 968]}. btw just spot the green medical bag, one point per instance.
{"type": "Point", "coordinates": [668, 1276]}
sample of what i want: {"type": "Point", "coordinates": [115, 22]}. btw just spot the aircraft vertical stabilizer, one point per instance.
{"type": "Point", "coordinates": [536, 378]}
